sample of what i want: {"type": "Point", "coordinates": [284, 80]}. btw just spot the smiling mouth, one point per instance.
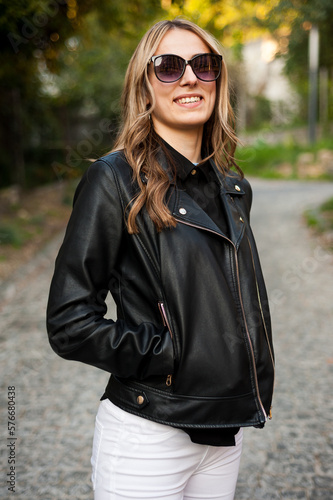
{"type": "Point", "coordinates": [188, 100]}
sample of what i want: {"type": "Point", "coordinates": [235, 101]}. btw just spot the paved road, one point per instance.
{"type": "Point", "coordinates": [56, 400]}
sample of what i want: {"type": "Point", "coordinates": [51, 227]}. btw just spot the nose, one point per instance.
{"type": "Point", "coordinates": [188, 77]}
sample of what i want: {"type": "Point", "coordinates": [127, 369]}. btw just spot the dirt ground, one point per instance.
{"type": "Point", "coordinates": [35, 216]}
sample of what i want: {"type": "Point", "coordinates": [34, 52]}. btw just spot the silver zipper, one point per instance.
{"type": "Point", "coordinates": [262, 317]}
{"type": "Point", "coordinates": [242, 307]}
{"type": "Point", "coordinates": [168, 381]}
{"type": "Point", "coordinates": [249, 339]}
{"type": "Point", "coordinates": [260, 305]}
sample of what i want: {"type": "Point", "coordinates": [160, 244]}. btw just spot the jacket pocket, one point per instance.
{"type": "Point", "coordinates": [166, 323]}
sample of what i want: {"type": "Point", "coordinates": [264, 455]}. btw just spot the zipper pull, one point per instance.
{"type": "Point", "coordinates": [270, 416]}
{"type": "Point", "coordinates": [169, 380]}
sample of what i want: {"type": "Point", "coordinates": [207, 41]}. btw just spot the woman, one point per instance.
{"type": "Point", "coordinates": [163, 224]}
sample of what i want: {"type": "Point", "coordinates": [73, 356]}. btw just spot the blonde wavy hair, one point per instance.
{"type": "Point", "coordinates": [141, 144]}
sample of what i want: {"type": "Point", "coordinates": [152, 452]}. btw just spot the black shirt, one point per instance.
{"type": "Point", "coordinates": [201, 183]}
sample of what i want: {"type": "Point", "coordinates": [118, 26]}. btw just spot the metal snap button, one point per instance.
{"type": "Point", "coordinates": [193, 172]}
{"type": "Point", "coordinates": [237, 187]}
{"type": "Point", "coordinates": [140, 400]}
{"type": "Point", "coordinates": [183, 211]}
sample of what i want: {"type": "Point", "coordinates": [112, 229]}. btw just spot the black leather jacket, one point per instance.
{"type": "Point", "coordinates": [191, 346]}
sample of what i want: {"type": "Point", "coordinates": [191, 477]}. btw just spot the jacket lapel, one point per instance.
{"type": "Point", "coordinates": [231, 191]}
{"type": "Point", "coordinates": [185, 210]}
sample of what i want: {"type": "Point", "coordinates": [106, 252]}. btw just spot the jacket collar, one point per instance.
{"type": "Point", "coordinates": [184, 166]}
{"type": "Point", "coordinates": [187, 211]}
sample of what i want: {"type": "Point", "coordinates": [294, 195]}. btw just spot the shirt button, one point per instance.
{"type": "Point", "coordinates": [183, 211]}
{"type": "Point", "coordinates": [237, 187]}
{"type": "Point", "coordinates": [193, 172]}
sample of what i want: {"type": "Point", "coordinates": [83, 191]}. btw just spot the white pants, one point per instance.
{"type": "Point", "coordinates": [134, 458]}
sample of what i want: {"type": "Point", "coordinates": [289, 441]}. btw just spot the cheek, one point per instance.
{"type": "Point", "coordinates": [162, 95]}
{"type": "Point", "coordinates": [160, 89]}
{"type": "Point", "coordinates": [211, 98]}
{"type": "Point", "coordinates": [159, 106]}
{"type": "Point", "coordinates": [213, 95]}
{"type": "Point", "coordinates": [213, 91]}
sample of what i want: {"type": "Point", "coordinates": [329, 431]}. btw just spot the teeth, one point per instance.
{"type": "Point", "coordinates": [187, 100]}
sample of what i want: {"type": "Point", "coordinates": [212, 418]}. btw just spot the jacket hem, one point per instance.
{"type": "Point", "coordinates": [183, 411]}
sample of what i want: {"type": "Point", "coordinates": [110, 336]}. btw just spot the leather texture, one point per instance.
{"type": "Point", "coordinates": [191, 303]}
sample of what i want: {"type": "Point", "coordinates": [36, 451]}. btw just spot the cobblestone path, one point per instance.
{"type": "Point", "coordinates": [292, 457]}
{"type": "Point", "coordinates": [56, 400]}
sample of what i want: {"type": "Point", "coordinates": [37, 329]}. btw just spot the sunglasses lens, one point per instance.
{"type": "Point", "coordinates": [207, 67]}
{"type": "Point", "coordinates": [168, 68]}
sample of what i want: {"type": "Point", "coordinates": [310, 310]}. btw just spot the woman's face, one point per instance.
{"type": "Point", "coordinates": [172, 114]}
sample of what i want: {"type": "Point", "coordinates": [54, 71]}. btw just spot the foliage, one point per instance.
{"type": "Point", "coordinates": [327, 205]}
{"type": "Point", "coordinates": [321, 218]}
{"type": "Point", "coordinates": [264, 160]}
{"type": "Point", "coordinates": [62, 60]}
{"type": "Point", "coordinates": [259, 112]}
{"type": "Point", "coordinates": [231, 22]}
{"type": "Point", "coordinates": [63, 64]}
{"type": "Point", "coordinates": [12, 235]}
{"type": "Point", "coordinates": [290, 21]}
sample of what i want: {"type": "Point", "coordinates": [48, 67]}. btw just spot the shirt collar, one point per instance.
{"type": "Point", "coordinates": [184, 166]}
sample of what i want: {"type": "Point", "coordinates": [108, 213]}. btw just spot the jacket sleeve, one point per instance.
{"type": "Point", "coordinates": [76, 307]}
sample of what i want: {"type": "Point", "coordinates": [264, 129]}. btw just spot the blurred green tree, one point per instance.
{"type": "Point", "coordinates": [30, 31]}
{"type": "Point", "coordinates": [63, 62]}
{"type": "Point", "coordinates": [290, 22]}
{"type": "Point", "coordinates": [58, 57]}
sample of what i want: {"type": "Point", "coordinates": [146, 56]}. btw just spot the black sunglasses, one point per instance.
{"type": "Point", "coordinates": [169, 68]}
